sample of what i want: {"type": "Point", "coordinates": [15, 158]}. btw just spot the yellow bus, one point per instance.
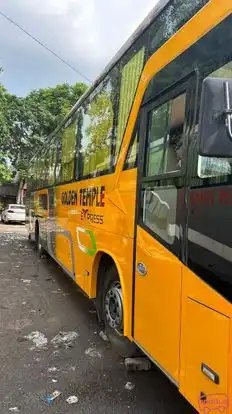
{"type": "Point", "coordinates": [132, 196]}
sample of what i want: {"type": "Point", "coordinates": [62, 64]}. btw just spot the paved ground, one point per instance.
{"type": "Point", "coordinates": [38, 301]}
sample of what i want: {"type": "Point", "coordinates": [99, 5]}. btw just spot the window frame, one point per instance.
{"type": "Point", "coordinates": [188, 85]}
{"type": "Point", "coordinates": [43, 196]}
{"type": "Point", "coordinates": [172, 92]}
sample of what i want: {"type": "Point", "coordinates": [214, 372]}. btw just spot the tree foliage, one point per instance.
{"type": "Point", "coordinates": [5, 170]}
{"type": "Point", "coordinates": [26, 122]}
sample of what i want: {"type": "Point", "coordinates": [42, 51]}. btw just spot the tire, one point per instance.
{"type": "Point", "coordinates": [112, 314]}
{"type": "Point", "coordinates": [38, 246]}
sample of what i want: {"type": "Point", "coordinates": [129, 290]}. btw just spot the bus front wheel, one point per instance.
{"type": "Point", "coordinates": [113, 314]}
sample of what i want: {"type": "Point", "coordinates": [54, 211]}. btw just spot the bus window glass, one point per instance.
{"type": "Point", "coordinates": [130, 76]}
{"type": "Point", "coordinates": [43, 201]}
{"type": "Point", "coordinates": [68, 150]}
{"type": "Point", "coordinates": [210, 166]}
{"type": "Point", "coordinates": [50, 167]}
{"type": "Point", "coordinates": [165, 137]}
{"type": "Point", "coordinates": [58, 157]}
{"type": "Point", "coordinates": [132, 155]}
{"type": "Point", "coordinates": [41, 169]}
{"type": "Point", "coordinates": [175, 15]}
{"type": "Point", "coordinates": [158, 127]}
{"type": "Point", "coordinates": [213, 167]}
{"type": "Point", "coordinates": [96, 131]}
{"type": "Point", "coordinates": [159, 211]}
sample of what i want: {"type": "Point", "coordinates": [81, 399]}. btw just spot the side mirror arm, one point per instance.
{"type": "Point", "coordinates": [228, 111]}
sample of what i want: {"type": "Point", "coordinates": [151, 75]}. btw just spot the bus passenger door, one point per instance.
{"type": "Point", "coordinates": [160, 230]}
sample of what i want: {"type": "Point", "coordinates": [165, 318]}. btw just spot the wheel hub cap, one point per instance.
{"type": "Point", "coordinates": [114, 307]}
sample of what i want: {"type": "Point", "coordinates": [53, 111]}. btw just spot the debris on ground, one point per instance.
{"type": "Point", "coordinates": [4, 307]}
{"type": "Point", "coordinates": [51, 397]}
{"type": "Point", "coordinates": [138, 364]}
{"type": "Point", "coordinates": [26, 281]}
{"type": "Point", "coordinates": [22, 339]}
{"type": "Point", "coordinates": [73, 399]}
{"type": "Point", "coordinates": [65, 338]}
{"type": "Point", "coordinates": [103, 336]}
{"type": "Point", "coordinates": [14, 409]}
{"type": "Point", "coordinates": [54, 380]}
{"type": "Point", "coordinates": [129, 386]}
{"type": "Point", "coordinates": [38, 338]}
{"type": "Point", "coordinates": [52, 369]}
{"type": "Point", "coordinates": [92, 352]}
{"type": "Point", "coordinates": [55, 353]}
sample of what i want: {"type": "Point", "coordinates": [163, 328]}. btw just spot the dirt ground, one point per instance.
{"type": "Point", "coordinates": [50, 341]}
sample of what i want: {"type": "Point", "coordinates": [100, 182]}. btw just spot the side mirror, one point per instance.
{"type": "Point", "coordinates": [216, 118]}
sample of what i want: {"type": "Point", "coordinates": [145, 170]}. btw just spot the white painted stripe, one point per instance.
{"type": "Point", "coordinates": [220, 249]}
{"type": "Point", "coordinates": [213, 246]}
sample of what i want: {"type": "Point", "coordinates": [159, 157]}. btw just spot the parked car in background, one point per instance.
{"type": "Point", "coordinates": [14, 213]}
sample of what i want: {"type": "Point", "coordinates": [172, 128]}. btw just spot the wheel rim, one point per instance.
{"type": "Point", "coordinates": [114, 307]}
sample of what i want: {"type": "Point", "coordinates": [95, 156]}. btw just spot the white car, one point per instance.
{"type": "Point", "coordinates": [14, 212]}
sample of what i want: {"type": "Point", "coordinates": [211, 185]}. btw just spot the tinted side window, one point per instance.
{"type": "Point", "coordinates": [96, 130]}
{"type": "Point", "coordinates": [165, 137]}
{"type": "Point", "coordinates": [174, 15]}
{"type": "Point", "coordinates": [51, 162]}
{"type": "Point", "coordinates": [43, 201]}
{"type": "Point", "coordinates": [132, 155]}
{"type": "Point", "coordinates": [164, 126]}
{"type": "Point", "coordinates": [130, 76]}
{"type": "Point", "coordinates": [68, 149]}
{"type": "Point", "coordinates": [58, 139]}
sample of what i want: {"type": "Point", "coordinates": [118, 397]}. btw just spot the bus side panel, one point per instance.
{"type": "Point", "coordinates": [205, 339]}
{"type": "Point", "coordinates": [91, 217]}
{"type": "Point", "coordinates": [67, 220]}
{"type": "Point", "coordinates": [127, 191]}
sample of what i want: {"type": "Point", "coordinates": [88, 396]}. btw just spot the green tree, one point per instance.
{"type": "Point", "coordinates": [26, 122]}
{"type": "Point", "coordinates": [5, 170]}
{"type": "Point", "coordinates": [58, 100]}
